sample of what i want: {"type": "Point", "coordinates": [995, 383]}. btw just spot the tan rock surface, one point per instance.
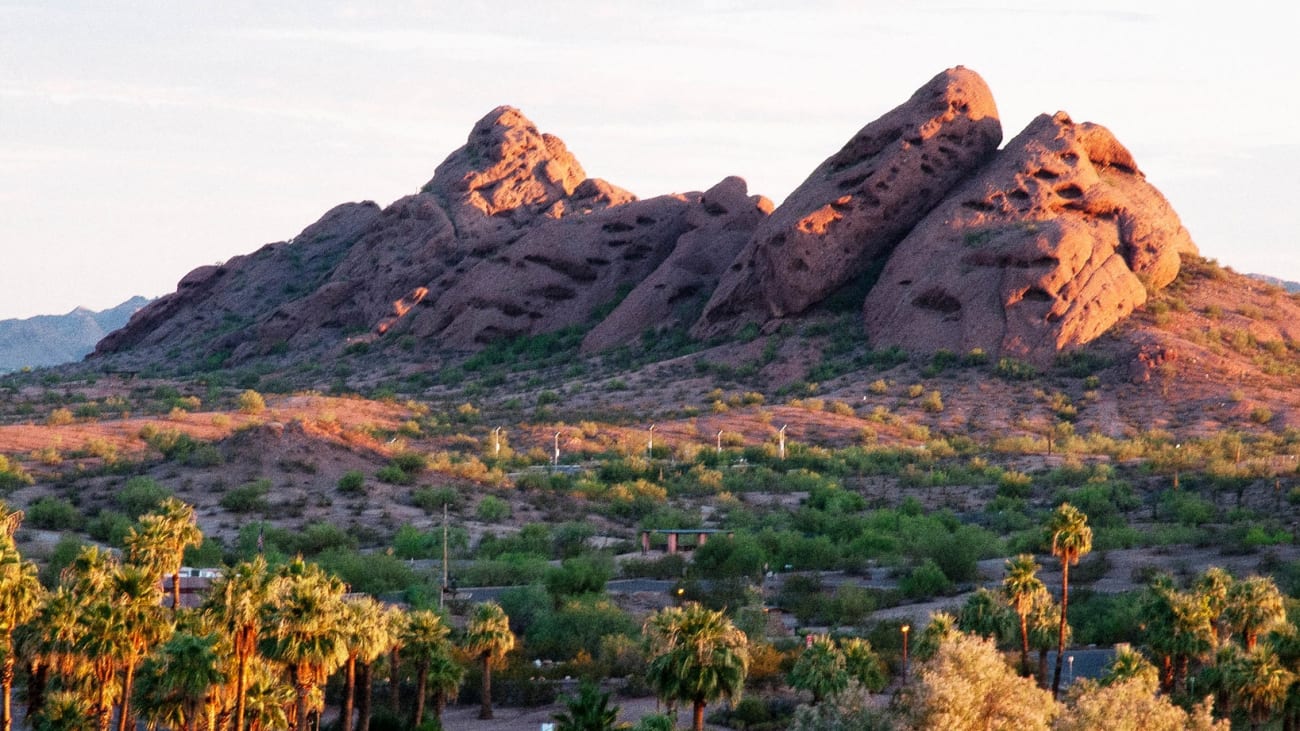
{"type": "Point", "coordinates": [859, 203]}
{"type": "Point", "coordinates": [1045, 249]}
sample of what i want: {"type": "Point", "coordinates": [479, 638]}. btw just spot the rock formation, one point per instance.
{"type": "Point", "coordinates": [1048, 247]}
{"type": "Point", "coordinates": [1024, 252]}
{"type": "Point", "coordinates": [859, 203]}
{"type": "Point", "coordinates": [673, 295]}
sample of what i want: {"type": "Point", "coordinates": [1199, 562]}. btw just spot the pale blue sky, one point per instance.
{"type": "Point", "coordinates": [140, 140]}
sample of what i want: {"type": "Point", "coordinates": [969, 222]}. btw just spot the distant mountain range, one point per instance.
{"type": "Point", "coordinates": [1288, 286]}
{"type": "Point", "coordinates": [47, 340]}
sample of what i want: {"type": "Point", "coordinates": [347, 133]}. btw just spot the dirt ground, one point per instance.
{"type": "Point", "coordinates": [459, 718]}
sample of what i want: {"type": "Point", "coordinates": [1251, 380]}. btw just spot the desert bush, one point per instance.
{"type": "Point", "coordinates": [492, 509]}
{"type": "Point", "coordinates": [141, 495]}
{"type": "Point", "coordinates": [352, 482]}
{"type": "Point", "coordinates": [12, 475]}
{"type": "Point", "coordinates": [932, 403]}
{"type": "Point", "coordinates": [250, 498]}
{"type": "Point", "coordinates": [50, 513]}
{"type": "Point", "coordinates": [250, 402]}
{"type": "Point", "coordinates": [59, 417]}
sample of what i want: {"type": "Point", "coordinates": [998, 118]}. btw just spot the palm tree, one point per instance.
{"type": "Point", "coordinates": [397, 630]}
{"type": "Point", "coordinates": [1044, 631]}
{"type": "Point", "coordinates": [1258, 683]}
{"type": "Point", "coordinates": [305, 631]}
{"type": "Point", "coordinates": [1071, 540]}
{"type": "Point", "coordinates": [587, 711]}
{"type": "Point", "coordinates": [137, 602]}
{"type": "Point", "coordinates": [175, 683]}
{"type": "Point", "coordinates": [425, 644]}
{"type": "Point", "coordinates": [821, 669]}
{"type": "Point", "coordinates": [863, 664]}
{"type": "Point", "coordinates": [366, 637]}
{"type": "Point", "coordinates": [1213, 586]}
{"type": "Point", "coordinates": [697, 655]}
{"type": "Point", "coordinates": [1177, 628]}
{"type": "Point", "coordinates": [20, 598]}
{"type": "Point", "coordinates": [238, 599]}
{"type": "Point", "coordinates": [1021, 588]}
{"type": "Point", "coordinates": [984, 615]}
{"type": "Point", "coordinates": [1129, 664]}
{"type": "Point", "coordinates": [1253, 605]}
{"type": "Point", "coordinates": [488, 636]}
{"type": "Point", "coordinates": [162, 539]}
{"type": "Point", "coordinates": [394, 620]}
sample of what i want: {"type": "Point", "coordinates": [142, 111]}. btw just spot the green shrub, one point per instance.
{"type": "Point", "coordinates": [352, 482]}
{"type": "Point", "coordinates": [925, 580]}
{"type": "Point", "coordinates": [1014, 370]}
{"type": "Point", "coordinates": [51, 513]}
{"type": "Point", "coordinates": [492, 509]}
{"type": "Point", "coordinates": [141, 495]}
{"type": "Point", "coordinates": [250, 498]}
{"type": "Point", "coordinates": [432, 499]}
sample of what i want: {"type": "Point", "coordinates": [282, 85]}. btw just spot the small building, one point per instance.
{"type": "Point", "coordinates": [674, 535]}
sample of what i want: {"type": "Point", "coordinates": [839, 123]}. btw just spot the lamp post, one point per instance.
{"type": "Point", "coordinates": [1070, 660]}
{"type": "Point", "coordinates": [719, 442]}
{"type": "Point", "coordinates": [556, 460]}
{"type": "Point", "coordinates": [905, 629]}
{"type": "Point", "coordinates": [496, 442]}
{"type": "Point", "coordinates": [781, 440]}
{"type": "Point", "coordinates": [650, 445]}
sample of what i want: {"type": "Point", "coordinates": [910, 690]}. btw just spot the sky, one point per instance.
{"type": "Point", "coordinates": [139, 140]}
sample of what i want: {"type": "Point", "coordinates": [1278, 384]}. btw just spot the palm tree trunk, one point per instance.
{"type": "Point", "coordinates": [421, 679]}
{"type": "Point", "coordinates": [1024, 645]}
{"type": "Point", "coordinates": [349, 691]}
{"type": "Point", "coordinates": [176, 592]}
{"type": "Point", "coordinates": [698, 716]}
{"type": "Point", "coordinates": [302, 688]}
{"type": "Point", "coordinates": [241, 687]}
{"type": "Point", "coordinates": [485, 711]}
{"type": "Point", "coordinates": [6, 686]}
{"type": "Point", "coordinates": [1042, 669]}
{"type": "Point", "coordinates": [439, 704]}
{"type": "Point", "coordinates": [392, 681]}
{"type": "Point", "coordinates": [363, 702]}
{"type": "Point", "coordinates": [1060, 643]}
{"type": "Point", "coordinates": [128, 680]}
{"type": "Point", "coordinates": [103, 713]}
{"type": "Point", "coordinates": [36, 677]}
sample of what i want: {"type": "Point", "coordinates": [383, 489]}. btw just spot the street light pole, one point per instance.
{"type": "Point", "coordinates": [905, 629]}
{"type": "Point", "coordinates": [650, 446]}
{"type": "Point", "coordinates": [719, 442]}
{"type": "Point", "coordinates": [496, 438]}
{"type": "Point", "coordinates": [781, 439]}
{"type": "Point", "coordinates": [557, 449]}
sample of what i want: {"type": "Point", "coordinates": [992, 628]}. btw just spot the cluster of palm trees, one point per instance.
{"type": "Point", "coordinates": [106, 645]}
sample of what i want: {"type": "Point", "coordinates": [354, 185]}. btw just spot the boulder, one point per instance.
{"type": "Point", "coordinates": [859, 203]}
{"type": "Point", "coordinates": [1055, 241]}
{"type": "Point", "coordinates": [674, 293]}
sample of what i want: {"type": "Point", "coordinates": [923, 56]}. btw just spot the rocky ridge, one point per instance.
{"type": "Point", "coordinates": [1036, 248]}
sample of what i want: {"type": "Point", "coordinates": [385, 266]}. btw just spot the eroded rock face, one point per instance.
{"type": "Point", "coordinates": [674, 293]}
{"type": "Point", "coordinates": [859, 203]}
{"type": "Point", "coordinates": [1047, 248]}
{"type": "Point", "coordinates": [557, 274]}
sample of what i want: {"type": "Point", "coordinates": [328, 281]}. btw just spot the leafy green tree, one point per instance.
{"type": "Point", "coordinates": [1132, 704]}
{"type": "Point", "coordinates": [697, 656]}
{"type": "Point", "coordinates": [489, 638]}
{"type": "Point", "coordinates": [1021, 588]}
{"type": "Point", "coordinates": [1071, 540]}
{"type": "Point", "coordinates": [20, 599]}
{"type": "Point", "coordinates": [821, 669]}
{"type": "Point", "coordinates": [588, 710]}
{"type": "Point", "coordinates": [967, 685]}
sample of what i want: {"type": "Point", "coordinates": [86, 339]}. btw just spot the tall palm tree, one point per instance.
{"type": "Point", "coordinates": [1177, 629]}
{"type": "Point", "coordinates": [20, 598]}
{"type": "Point", "coordinates": [1044, 631]}
{"type": "Point", "coordinates": [1213, 586]}
{"type": "Point", "coordinates": [697, 655]}
{"type": "Point", "coordinates": [162, 539]}
{"type": "Point", "coordinates": [1021, 588]}
{"type": "Point", "coordinates": [305, 631]}
{"type": "Point", "coordinates": [137, 602]}
{"type": "Point", "coordinates": [397, 629]}
{"type": "Point", "coordinates": [1071, 540]}
{"type": "Point", "coordinates": [488, 637]}
{"type": "Point", "coordinates": [424, 643]}
{"type": "Point", "coordinates": [238, 599]}
{"type": "Point", "coordinates": [366, 638]}
{"type": "Point", "coordinates": [1253, 605]}
{"type": "Point", "coordinates": [175, 682]}
{"type": "Point", "coordinates": [394, 620]}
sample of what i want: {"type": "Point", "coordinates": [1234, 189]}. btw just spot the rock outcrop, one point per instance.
{"type": "Point", "coordinates": [673, 295]}
{"type": "Point", "coordinates": [859, 203]}
{"type": "Point", "coordinates": [1048, 247]}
